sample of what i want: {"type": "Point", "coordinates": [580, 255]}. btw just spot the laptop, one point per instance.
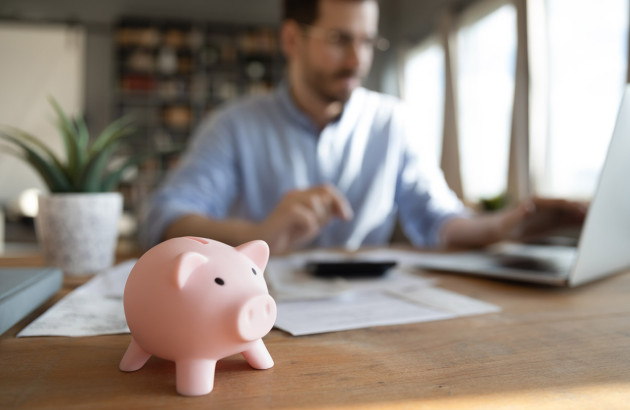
{"type": "Point", "coordinates": [604, 244]}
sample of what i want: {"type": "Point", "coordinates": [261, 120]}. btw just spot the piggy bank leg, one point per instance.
{"type": "Point", "coordinates": [194, 377]}
{"type": "Point", "coordinates": [135, 357]}
{"type": "Point", "coordinates": [257, 356]}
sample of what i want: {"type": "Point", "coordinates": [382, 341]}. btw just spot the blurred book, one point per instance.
{"type": "Point", "coordinates": [22, 290]}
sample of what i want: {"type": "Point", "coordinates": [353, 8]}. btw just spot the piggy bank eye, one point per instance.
{"type": "Point", "coordinates": [219, 281]}
{"type": "Point", "coordinates": [254, 270]}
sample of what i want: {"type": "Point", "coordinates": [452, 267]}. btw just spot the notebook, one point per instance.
{"type": "Point", "coordinates": [604, 244]}
{"type": "Point", "coordinates": [22, 290]}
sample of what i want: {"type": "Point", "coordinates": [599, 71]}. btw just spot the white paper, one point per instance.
{"type": "Point", "coordinates": [353, 311]}
{"type": "Point", "coordinates": [288, 280]}
{"type": "Point", "coordinates": [80, 314]}
{"type": "Point", "coordinates": [306, 305]}
{"type": "Point", "coordinates": [309, 305]}
{"type": "Point", "coordinates": [445, 300]}
{"type": "Point", "coordinates": [95, 308]}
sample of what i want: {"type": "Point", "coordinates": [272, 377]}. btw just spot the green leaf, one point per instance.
{"type": "Point", "coordinates": [113, 178]}
{"type": "Point", "coordinates": [12, 151]}
{"type": "Point", "coordinates": [92, 174]}
{"type": "Point", "coordinates": [117, 129]}
{"type": "Point", "coordinates": [100, 153]}
{"type": "Point", "coordinates": [83, 138]}
{"type": "Point", "coordinates": [52, 176]}
{"type": "Point", "coordinates": [17, 133]}
{"type": "Point", "coordinates": [70, 138]}
{"type": "Point", "coordinates": [87, 161]}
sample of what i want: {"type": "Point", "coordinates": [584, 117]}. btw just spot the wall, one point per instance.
{"type": "Point", "coordinates": [38, 61]}
{"type": "Point", "coordinates": [98, 16]}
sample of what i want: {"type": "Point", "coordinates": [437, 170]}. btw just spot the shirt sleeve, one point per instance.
{"type": "Point", "coordinates": [204, 183]}
{"type": "Point", "coordinates": [425, 201]}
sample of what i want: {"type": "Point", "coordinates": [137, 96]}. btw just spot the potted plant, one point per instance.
{"type": "Point", "coordinates": [77, 223]}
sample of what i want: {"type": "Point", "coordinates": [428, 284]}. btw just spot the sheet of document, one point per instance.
{"type": "Point", "coordinates": [306, 305]}
{"type": "Point", "coordinates": [309, 305]}
{"type": "Point", "coordinates": [288, 280]}
{"type": "Point", "coordinates": [391, 305]}
{"type": "Point", "coordinates": [353, 311]}
{"type": "Point", "coordinates": [96, 308]}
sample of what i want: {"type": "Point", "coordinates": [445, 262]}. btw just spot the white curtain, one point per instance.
{"type": "Point", "coordinates": [486, 49]}
{"type": "Point", "coordinates": [578, 55]}
{"type": "Point", "coordinates": [531, 90]}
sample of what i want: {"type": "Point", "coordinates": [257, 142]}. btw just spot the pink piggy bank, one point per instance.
{"type": "Point", "coordinates": [195, 301]}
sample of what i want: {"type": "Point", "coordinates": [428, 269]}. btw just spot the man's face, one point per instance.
{"type": "Point", "coordinates": [337, 48]}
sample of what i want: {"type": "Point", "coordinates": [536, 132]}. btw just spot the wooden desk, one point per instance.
{"type": "Point", "coordinates": [549, 348]}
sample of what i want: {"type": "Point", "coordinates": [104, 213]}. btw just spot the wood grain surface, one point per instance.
{"type": "Point", "coordinates": [547, 348]}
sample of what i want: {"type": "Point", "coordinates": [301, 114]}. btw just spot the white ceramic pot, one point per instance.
{"type": "Point", "coordinates": [78, 232]}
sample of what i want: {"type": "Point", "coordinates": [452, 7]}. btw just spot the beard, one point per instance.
{"type": "Point", "coordinates": [333, 87]}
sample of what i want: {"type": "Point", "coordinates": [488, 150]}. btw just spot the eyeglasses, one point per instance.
{"type": "Point", "coordinates": [342, 40]}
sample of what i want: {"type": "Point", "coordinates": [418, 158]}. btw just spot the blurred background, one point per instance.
{"type": "Point", "coordinates": [513, 97]}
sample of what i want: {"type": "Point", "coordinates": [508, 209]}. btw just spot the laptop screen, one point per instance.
{"type": "Point", "coordinates": [604, 245]}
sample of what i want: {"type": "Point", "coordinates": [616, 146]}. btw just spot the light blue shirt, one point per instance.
{"type": "Point", "coordinates": [246, 157]}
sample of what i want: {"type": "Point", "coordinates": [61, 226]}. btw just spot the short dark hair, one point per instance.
{"type": "Point", "coordinates": [304, 12]}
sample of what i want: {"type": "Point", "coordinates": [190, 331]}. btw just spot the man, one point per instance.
{"type": "Point", "coordinates": [322, 161]}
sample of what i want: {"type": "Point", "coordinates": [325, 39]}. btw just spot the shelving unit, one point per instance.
{"type": "Point", "coordinates": [171, 74]}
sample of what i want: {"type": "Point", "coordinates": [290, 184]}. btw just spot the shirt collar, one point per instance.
{"type": "Point", "coordinates": [299, 116]}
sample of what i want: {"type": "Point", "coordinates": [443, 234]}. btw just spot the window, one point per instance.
{"type": "Point", "coordinates": [585, 52]}
{"type": "Point", "coordinates": [423, 90]}
{"type": "Point", "coordinates": [486, 50]}
{"type": "Point", "coordinates": [574, 71]}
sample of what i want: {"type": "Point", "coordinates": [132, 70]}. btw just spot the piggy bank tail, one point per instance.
{"type": "Point", "coordinates": [135, 357]}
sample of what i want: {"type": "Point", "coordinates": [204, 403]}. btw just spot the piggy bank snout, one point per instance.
{"type": "Point", "coordinates": [256, 317]}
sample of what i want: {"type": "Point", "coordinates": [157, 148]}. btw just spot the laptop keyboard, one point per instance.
{"type": "Point", "coordinates": [552, 259]}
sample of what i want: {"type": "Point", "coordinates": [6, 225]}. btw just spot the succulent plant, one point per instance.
{"type": "Point", "coordinates": [86, 166]}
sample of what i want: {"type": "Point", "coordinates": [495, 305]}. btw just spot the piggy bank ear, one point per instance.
{"type": "Point", "coordinates": [185, 265]}
{"type": "Point", "coordinates": [257, 251]}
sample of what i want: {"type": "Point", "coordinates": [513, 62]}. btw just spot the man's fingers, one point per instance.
{"type": "Point", "coordinates": [542, 215]}
{"type": "Point", "coordinates": [304, 224]}
{"type": "Point", "coordinates": [512, 223]}
{"type": "Point", "coordinates": [336, 203]}
{"type": "Point", "coordinates": [317, 205]}
{"type": "Point", "coordinates": [568, 208]}
{"type": "Point", "coordinates": [301, 215]}
{"type": "Point", "coordinates": [342, 208]}
{"type": "Point", "coordinates": [325, 201]}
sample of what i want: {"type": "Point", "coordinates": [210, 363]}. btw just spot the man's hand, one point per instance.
{"type": "Point", "coordinates": [301, 215]}
{"type": "Point", "coordinates": [529, 219]}
{"type": "Point", "coordinates": [540, 216]}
